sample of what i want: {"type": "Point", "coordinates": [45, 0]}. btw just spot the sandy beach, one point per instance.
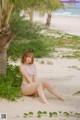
{"type": "Point", "coordinates": [61, 74]}
{"type": "Point", "coordinates": [66, 23]}
{"type": "Point", "coordinates": [66, 81]}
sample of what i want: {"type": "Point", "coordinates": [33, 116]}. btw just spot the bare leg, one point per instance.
{"type": "Point", "coordinates": [50, 88]}
{"type": "Point", "coordinates": [41, 93]}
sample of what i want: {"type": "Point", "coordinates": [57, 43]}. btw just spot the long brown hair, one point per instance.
{"type": "Point", "coordinates": [27, 54]}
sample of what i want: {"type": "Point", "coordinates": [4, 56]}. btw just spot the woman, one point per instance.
{"type": "Point", "coordinates": [30, 84]}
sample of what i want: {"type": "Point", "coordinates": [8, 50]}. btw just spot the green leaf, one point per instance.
{"type": "Point", "coordinates": [66, 114]}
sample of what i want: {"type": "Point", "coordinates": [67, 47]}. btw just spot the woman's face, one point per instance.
{"type": "Point", "coordinates": [29, 59]}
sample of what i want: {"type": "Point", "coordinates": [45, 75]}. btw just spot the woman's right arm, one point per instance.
{"type": "Point", "coordinates": [25, 74]}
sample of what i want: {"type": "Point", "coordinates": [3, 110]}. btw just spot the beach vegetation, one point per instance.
{"type": "Point", "coordinates": [45, 46]}
{"type": "Point", "coordinates": [55, 114]}
{"type": "Point", "coordinates": [77, 93]}
{"type": "Point", "coordinates": [25, 115]}
{"type": "Point", "coordinates": [66, 114]}
{"type": "Point", "coordinates": [39, 47]}
{"type": "Point", "coordinates": [30, 114]}
{"type": "Point", "coordinates": [38, 116]}
{"type": "Point", "coordinates": [49, 62]}
{"type": "Point", "coordinates": [60, 114]}
{"type": "Point", "coordinates": [45, 112]}
{"type": "Point", "coordinates": [42, 62]}
{"type": "Point", "coordinates": [10, 84]}
{"type": "Point", "coordinates": [50, 114]}
{"type": "Point", "coordinates": [39, 112]}
{"type": "Point", "coordinates": [74, 67]}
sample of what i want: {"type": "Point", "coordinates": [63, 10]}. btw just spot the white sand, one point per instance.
{"type": "Point", "coordinates": [66, 80]}
{"type": "Point", "coordinates": [65, 23]}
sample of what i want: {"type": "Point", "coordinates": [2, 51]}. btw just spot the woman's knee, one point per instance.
{"type": "Point", "coordinates": [45, 83]}
{"type": "Point", "coordinates": [42, 83]}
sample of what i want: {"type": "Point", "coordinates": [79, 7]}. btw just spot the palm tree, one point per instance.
{"type": "Point", "coordinates": [42, 6]}
{"type": "Point", "coordinates": [6, 9]}
{"type": "Point", "coordinates": [5, 33]}
{"type": "Point", "coordinates": [52, 6]}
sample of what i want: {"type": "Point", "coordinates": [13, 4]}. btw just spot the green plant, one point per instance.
{"type": "Point", "coordinates": [30, 114]}
{"type": "Point", "coordinates": [49, 63]}
{"type": "Point", "coordinates": [74, 67]}
{"type": "Point", "coordinates": [45, 112]}
{"type": "Point", "coordinates": [24, 29]}
{"type": "Point", "coordinates": [43, 45]}
{"type": "Point", "coordinates": [50, 114]}
{"type": "Point", "coordinates": [77, 115]}
{"type": "Point", "coordinates": [10, 84]}
{"type": "Point", "coordinates": [60, 113]}
{"type": "Point", "coordinates": [39, 112]}
{"type": "Point", "coordinates": [25, 115]}
{"type": "Point", "coordinates": [39, 47]}
{"type": "Point", "coordinates": [66, 114]}
{"type": "Point", "coordinates": [38, 116]}
{"type": "Point", "coordinates": [54, 114]}
{"type": "Point", "coordinates": [77, 93]}
{"type": "Point", "coordinates": [42, 62]}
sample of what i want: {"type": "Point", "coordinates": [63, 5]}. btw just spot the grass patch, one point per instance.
{"type": "Point", "coordinates": [10, 84]}
{"type": "Point", "coordinates": [77, 93]}
{"type": "Point", "coordinates": [74, 67]}
{"type": "Point", "coordinates": [17, 48]}
{"type": "Point", "coordinates": [44, 45]}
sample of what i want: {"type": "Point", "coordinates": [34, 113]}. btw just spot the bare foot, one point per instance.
{"type": "Point", "coordinates": [46, 102]}
{"type": "Point", "coordinates": [61, 98]}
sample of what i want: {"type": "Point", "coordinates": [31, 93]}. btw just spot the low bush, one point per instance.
{"type": "Point", "coordinates": [10, 84]}
{"type": "Point", "coordinates": [17, 48]}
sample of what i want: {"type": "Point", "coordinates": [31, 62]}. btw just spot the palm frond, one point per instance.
{"type": "Point", "coordinates": [9, 13]}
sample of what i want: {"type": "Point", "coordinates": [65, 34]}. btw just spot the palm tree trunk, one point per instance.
{"type": "Point", "coordinates": [3, 61]}
{"type": "Point", "coordinates": [4, 44]}
{"type": "Point", "coordinates": [31, 15]}
{"type": "Point", "coordinates": [48, 21]}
